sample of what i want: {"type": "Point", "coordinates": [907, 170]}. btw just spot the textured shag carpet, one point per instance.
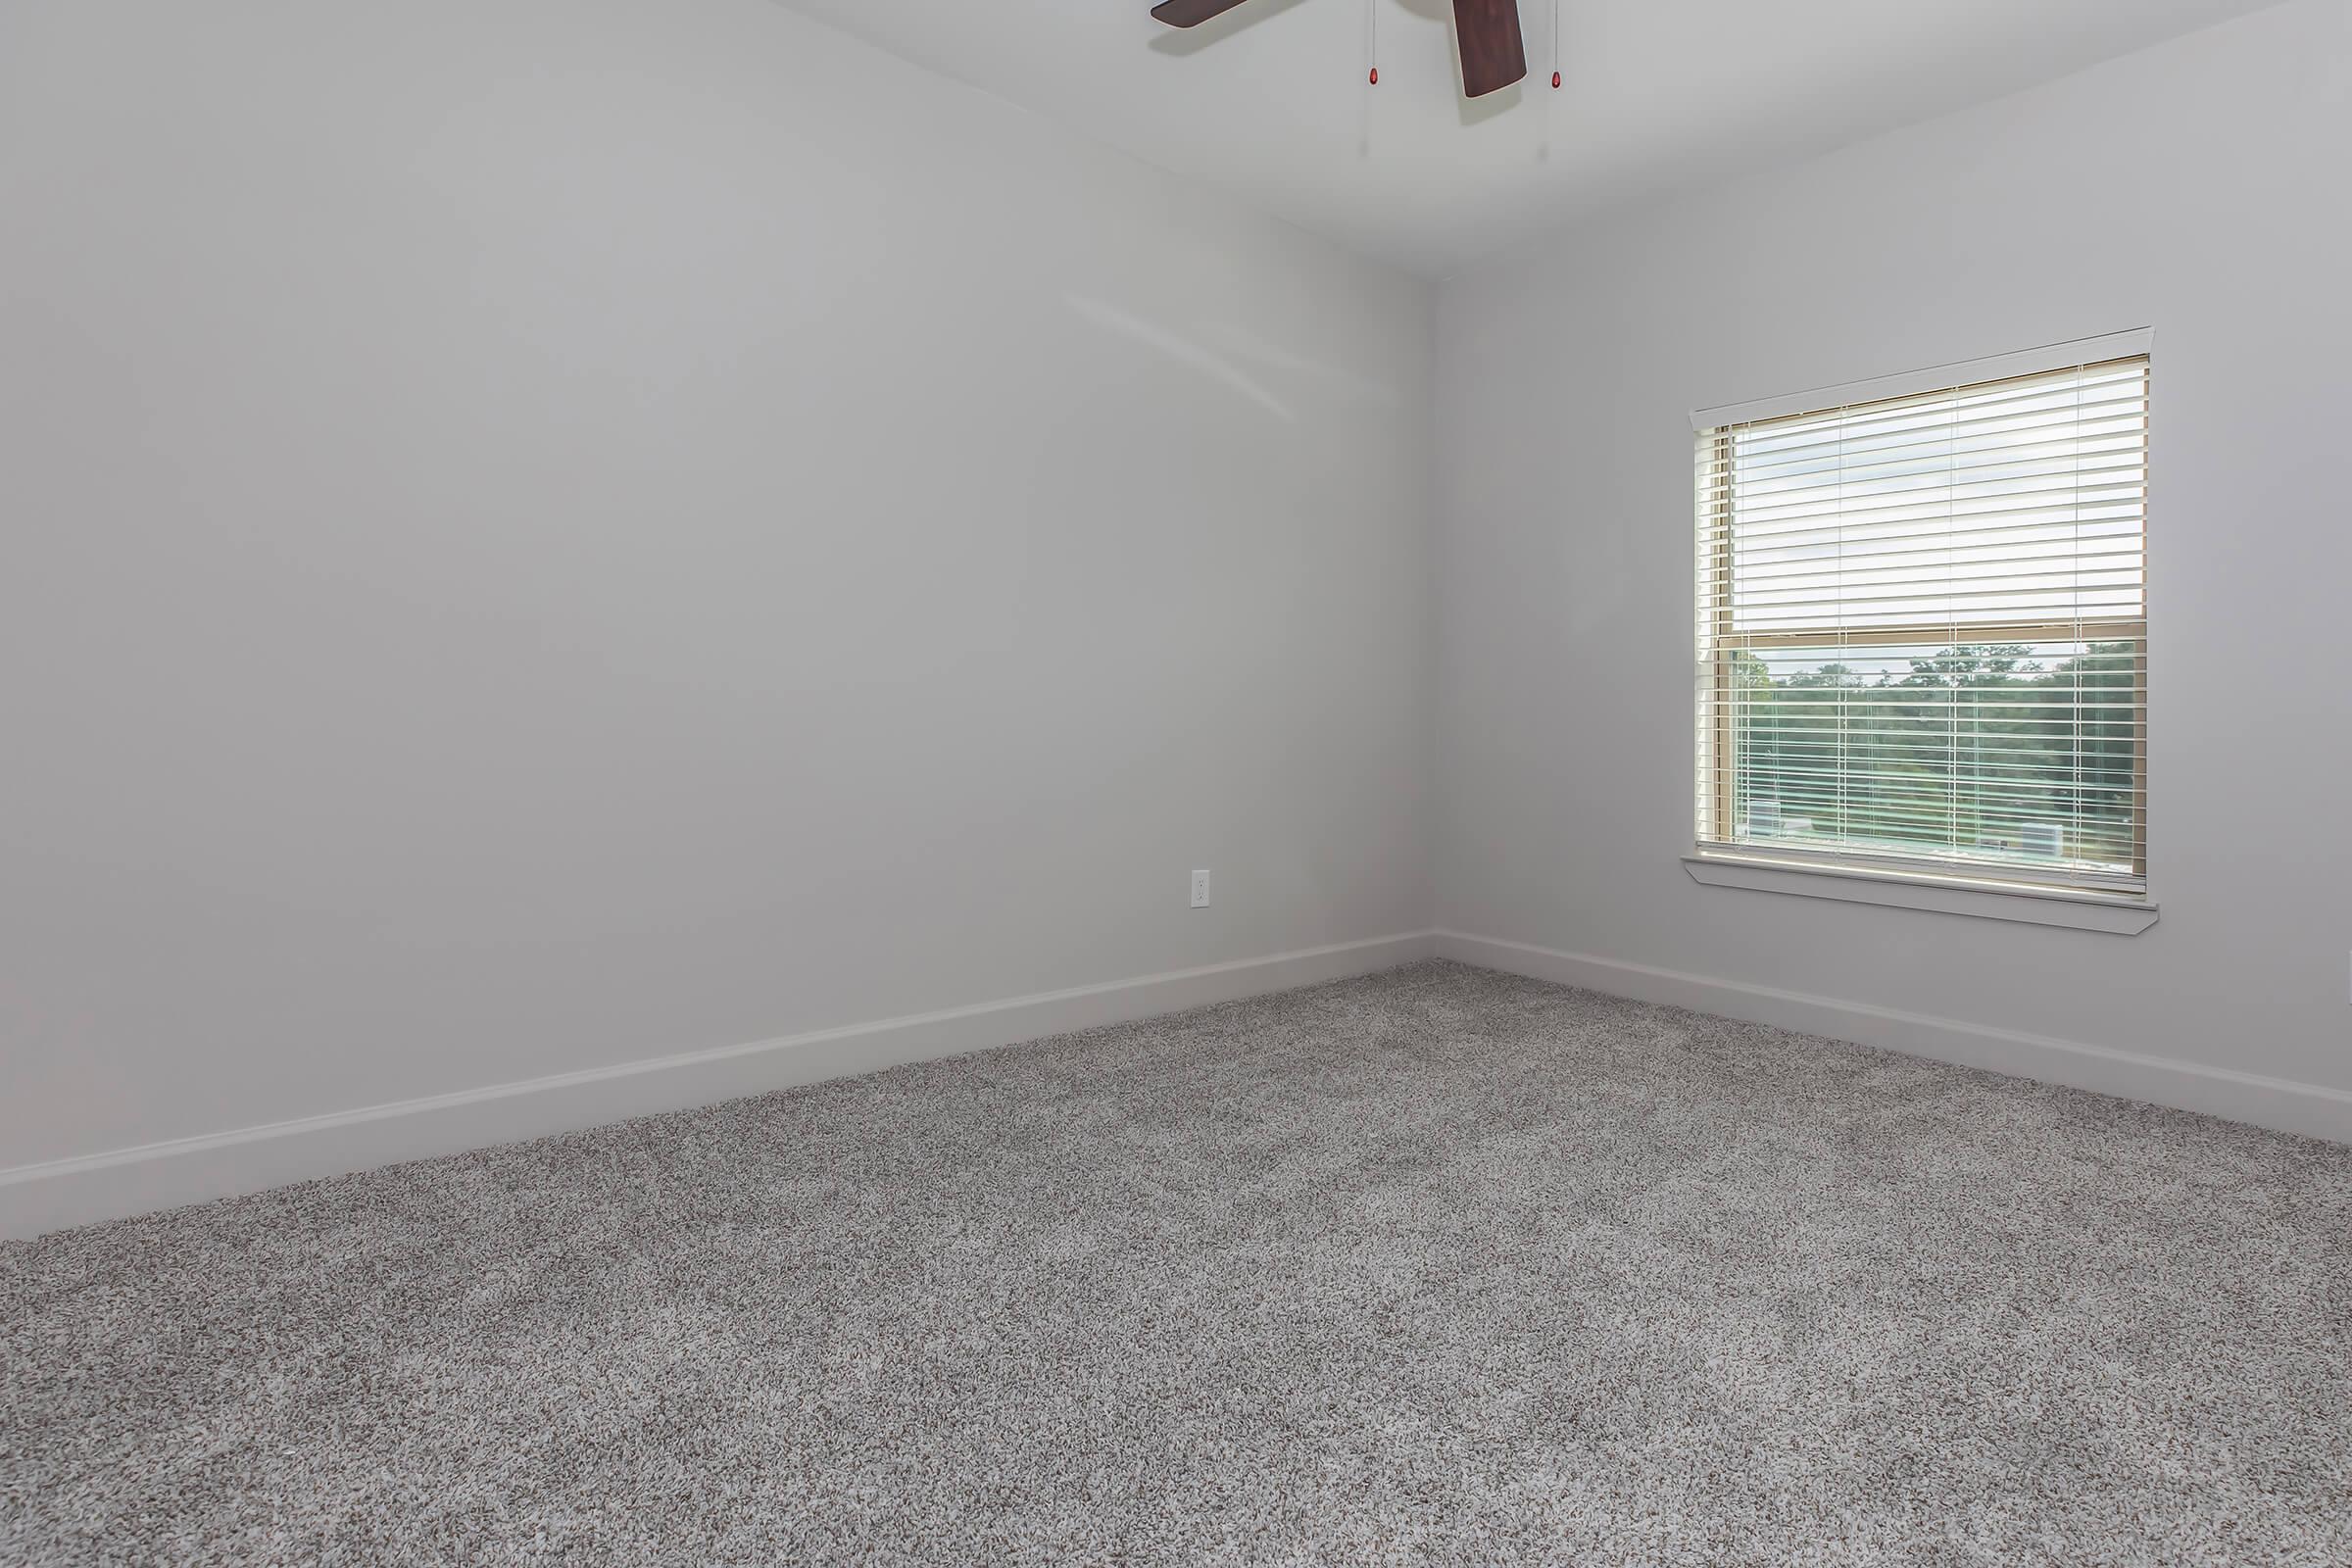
{"type": "Point", "coordinates": [1435, 1266]}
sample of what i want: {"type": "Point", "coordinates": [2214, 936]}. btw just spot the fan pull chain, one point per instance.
{"type": "Point", "coordinates": [1556, 45]}
{"type": "Point", "coordinates": [1372, 40]}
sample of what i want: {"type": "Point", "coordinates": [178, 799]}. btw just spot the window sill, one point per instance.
{"type": "Point", "coordinates": [2117, 916]}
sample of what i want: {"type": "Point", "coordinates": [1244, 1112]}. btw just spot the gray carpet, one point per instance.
{"type": "Point", "coordinates": [1436, 1266]}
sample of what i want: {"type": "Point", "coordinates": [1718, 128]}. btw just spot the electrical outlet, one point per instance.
{"type": "Point", "coordinates": [1200, 890]}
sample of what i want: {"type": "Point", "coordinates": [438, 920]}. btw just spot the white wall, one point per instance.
{"type": "Point", "coordinates": [544, 535]}
{"type": "Point", "coordinates": [2199, 188]}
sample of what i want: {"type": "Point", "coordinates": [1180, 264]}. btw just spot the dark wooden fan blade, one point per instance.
{"type": "Point", "coordinates": [1493, 54]}
{"type": "Point", "coordinates": [1191, 13]}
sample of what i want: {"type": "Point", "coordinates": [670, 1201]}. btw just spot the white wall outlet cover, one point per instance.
{"type": "Point", "coordinates": [1200, 890]}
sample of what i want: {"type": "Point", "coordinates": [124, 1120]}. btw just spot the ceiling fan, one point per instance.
{"type": "Point", "coordinates": [1494, 55]}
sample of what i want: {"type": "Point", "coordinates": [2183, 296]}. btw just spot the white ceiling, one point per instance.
{"type": "Point", "coordinates": [1270, 101]}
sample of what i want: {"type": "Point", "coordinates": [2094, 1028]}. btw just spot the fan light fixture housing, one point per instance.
{"type": "Point", "coordinates": [1494, 52]}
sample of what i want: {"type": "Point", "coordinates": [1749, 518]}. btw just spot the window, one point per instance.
{"type": "Point", "coordinates": [1923, 627]}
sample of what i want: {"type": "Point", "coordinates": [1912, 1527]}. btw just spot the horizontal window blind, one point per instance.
{"type": "Point", "coordinates": [1923, 631]}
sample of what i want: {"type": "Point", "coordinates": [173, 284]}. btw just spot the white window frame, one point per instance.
{"type": "Point", "coordinates": [1855, 879]}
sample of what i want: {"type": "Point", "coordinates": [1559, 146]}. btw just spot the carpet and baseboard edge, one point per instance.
{"type": "Point", "coordinates": [2310, 1109]}
{"type": "Point", "coordinates": [59, 1194]}
{"type": "Point", "coordinates": [53, 1196]}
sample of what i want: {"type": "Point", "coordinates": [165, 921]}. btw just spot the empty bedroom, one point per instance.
{"type": "Point", "coordinates": [1233, 782]}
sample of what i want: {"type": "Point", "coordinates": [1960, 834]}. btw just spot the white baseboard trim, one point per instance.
{"type": "Point", "coordinates": [2312, 1110]}
{"type": "Point", "coordinates": [37, 1199]}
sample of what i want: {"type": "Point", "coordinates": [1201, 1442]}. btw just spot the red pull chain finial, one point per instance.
{"type": "Point", "coordinates": [1555, 78]}
{"type": "Point", "coordinates": [1375, 76]}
